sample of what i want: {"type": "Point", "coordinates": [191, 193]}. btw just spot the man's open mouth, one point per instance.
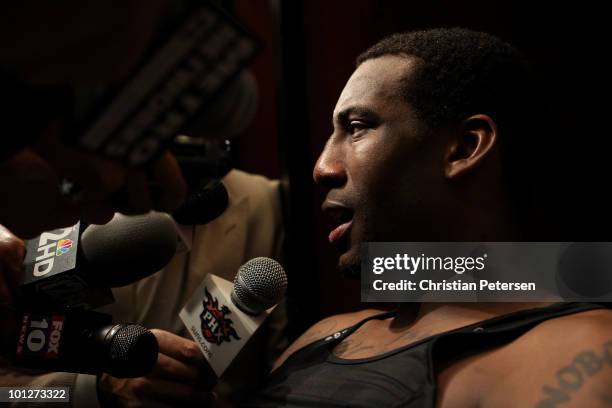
{"type": "Point", "coordinates": [342, 217]}
{"type": "Point", "coordinates": [337, 233]}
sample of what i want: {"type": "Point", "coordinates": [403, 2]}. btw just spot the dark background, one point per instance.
{"type": "Point", "coordinates": [310, 48]}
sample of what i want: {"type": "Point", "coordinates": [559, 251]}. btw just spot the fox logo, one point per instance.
{"type": "Point", "coordinates": [216, 327]}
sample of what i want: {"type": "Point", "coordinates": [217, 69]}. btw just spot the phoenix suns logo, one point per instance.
{"type": "Point", "coordinates": [216, 327]}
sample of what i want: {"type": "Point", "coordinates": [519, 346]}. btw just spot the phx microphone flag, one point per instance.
{"type": "Point", "coordinates": [216, 324]}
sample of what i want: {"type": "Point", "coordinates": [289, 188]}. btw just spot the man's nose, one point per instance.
{"type": "Point", "coordinates": [330, 169]}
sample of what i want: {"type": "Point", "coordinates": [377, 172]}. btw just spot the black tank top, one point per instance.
{"type": "Point", "coordinates": [406, 377]}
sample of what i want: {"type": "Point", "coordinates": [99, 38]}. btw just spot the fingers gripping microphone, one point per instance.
{"type": "Point", "coordinates": [221, 317]}
{"type": "Point", "coordinates": [131, 350]}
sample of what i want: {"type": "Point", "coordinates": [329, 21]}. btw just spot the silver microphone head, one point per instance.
{"type": "Point", "coordinates": [259, 284]}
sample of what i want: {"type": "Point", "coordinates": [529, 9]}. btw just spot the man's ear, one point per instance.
{"type": "Point", "coordinates": [474, 141]}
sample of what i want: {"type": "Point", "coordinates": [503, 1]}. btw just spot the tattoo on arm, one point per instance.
{"type": "Point", "coordinates": [571, 378]}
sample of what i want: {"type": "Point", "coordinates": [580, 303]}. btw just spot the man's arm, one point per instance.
{"type": "Point", "coordinates": [564, 362]}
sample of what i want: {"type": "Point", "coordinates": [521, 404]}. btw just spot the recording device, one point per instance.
{"type": "Point", "coordinates": [202, 161]}
{"type": "Point", "coordinates": [221, 316]}
{"type": "Point", "coordinates": [203, 206]}
{"type": "Point", "coordinates": [72, 268]}
{"type": "Point", "coordinates": [78, 341]}
{"type": "Point", "coordinates": [193, 71]}
{"type": "Point", "coordinates": [203, 164]}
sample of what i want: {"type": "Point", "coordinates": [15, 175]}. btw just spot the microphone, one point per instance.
{"type": "Point", "coordinates": [203, 164]}
{"type": "Point", "coordinates": [221, 317]}
{"type": "Point", "coordinates": [129, 247]}
{"type": "Point", "coordinates": [64, 268]}
{"type": "Point", "coordinates": [80, 341]}
{"type": "Point", "coordinates": [203, 206]}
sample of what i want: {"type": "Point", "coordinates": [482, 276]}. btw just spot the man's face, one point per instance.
{"type": "Point", "coordinates": [384, 171]}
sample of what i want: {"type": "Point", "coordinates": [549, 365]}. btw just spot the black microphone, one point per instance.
{"type": "Point", "coordinates": [80, 341]}
{"type": "Point", "coordinates": [129, 248]}
{"type": "Point", "coordinates": [203, 164]}
{"type": "Point", "coordinates": [203, 206]}
{"type": "Point", "coordinates": [64, 268]}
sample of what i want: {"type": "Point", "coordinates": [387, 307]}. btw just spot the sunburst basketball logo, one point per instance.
{"type": "Point", "coordinates": [216, 327]}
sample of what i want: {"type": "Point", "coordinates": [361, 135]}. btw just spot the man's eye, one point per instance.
{"type": "Point", "coordinates": [355, 126]}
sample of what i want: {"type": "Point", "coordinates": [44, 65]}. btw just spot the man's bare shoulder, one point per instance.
{"type": "Point", "coordinates": [565, 361]}
{"type": "Point", "coordinates": [566, 335]}
{"type": "Point", "coordinates": [324, 328]}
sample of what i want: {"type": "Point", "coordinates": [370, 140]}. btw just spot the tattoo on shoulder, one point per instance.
{"type": "Point", "coordinates": [571, 378]}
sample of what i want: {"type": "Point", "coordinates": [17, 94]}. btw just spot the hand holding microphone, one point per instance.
{"type": "Point", "coordinates": [12, 251]}
{"type": "Point", "coordinates": [181, 377]}
{"type": "Point", "coordinates": [41, 333]}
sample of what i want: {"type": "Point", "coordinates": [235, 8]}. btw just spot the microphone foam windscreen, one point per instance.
{"type": "Point", "coordinates": [129, 248]}
{"type": "Point", "coordinates": [259, 284]}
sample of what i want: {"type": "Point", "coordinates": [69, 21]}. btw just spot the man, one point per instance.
{"type": "Point", "coordinates": [431, 134]}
